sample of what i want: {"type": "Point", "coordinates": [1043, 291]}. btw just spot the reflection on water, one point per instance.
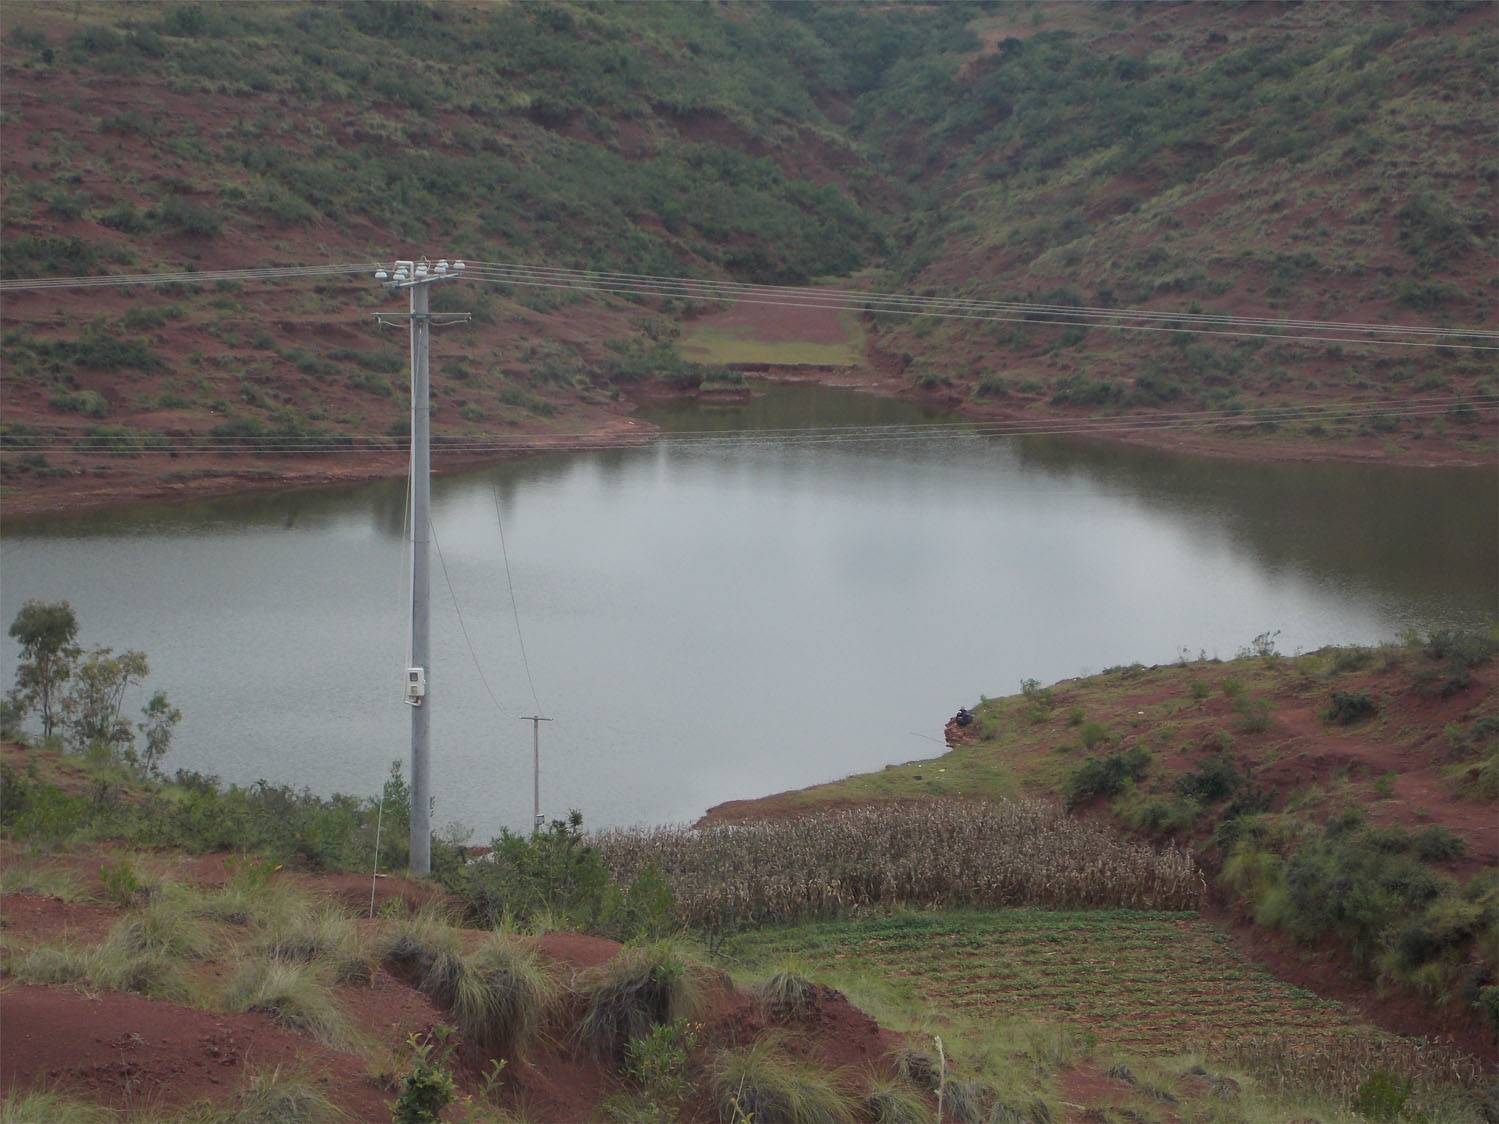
{"type": "Point", "coordinates": [1427, 537]}
{"type": "Point", "coordinates": [721, 616]}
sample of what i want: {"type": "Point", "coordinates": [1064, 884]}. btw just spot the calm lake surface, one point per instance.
{"type": "Point", "coordinates": [737, 609]}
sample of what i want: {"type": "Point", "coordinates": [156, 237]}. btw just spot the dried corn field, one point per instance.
{"type": "Point", "coordinates": [935, 854]}
{"type": "Point", "coordinates": [1339, 1067]}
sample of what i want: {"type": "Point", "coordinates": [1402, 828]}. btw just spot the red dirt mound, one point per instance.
{"type": "Point", "coordinates": [123, 1050]}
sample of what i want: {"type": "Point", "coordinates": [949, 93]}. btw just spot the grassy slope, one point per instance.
{"type": "Point", "coordinates": [1376, 835]}
{"type": "Point", "coordinates": [1286, 162]}
{"type": "Point", "coordinates": [161, 139]}
{"type": "Point", "coordinates": [1260, 714]}
{"type": "Point", "coordinates": [1308, 164]}
{"type": "Point", "coordinates": [295, 950]}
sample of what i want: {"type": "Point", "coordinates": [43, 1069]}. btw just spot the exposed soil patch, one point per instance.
{"type": "Point", "coordinates": [122, 1050]}
{"type": "Point", "coordinates": [31, 918]}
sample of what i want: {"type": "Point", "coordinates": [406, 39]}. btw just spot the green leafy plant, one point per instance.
{"type": "Point", "coordinates": [121, 886]}
{"type": "Point", "coordinates": [554, 872]}
{"type": "Point", "coordinates": [1382, 1096]}
{"type": "Point", "coordinates": [1039, 700]}
{"type": "Point", "coordinates": [1213, 780]}
{"type": "Point", "coordinates": [1254, 714]}
{"type": "Point", "coordinates": [657, 1061]}
{"type": "Point", "coordinates": [429, 1087]}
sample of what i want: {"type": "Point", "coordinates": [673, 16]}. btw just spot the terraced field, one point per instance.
{"type": "Point", "coordinates": [1131, 979]}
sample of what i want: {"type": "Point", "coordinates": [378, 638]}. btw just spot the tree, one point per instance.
{"type": "Point", "coordinates": [161, 716]}
{"type": "Point", "coordinates": [92, 708]}
{"type": "Point", "coordinates": [89, 713]}
{"type": "Point", "coordinates": [46, 632]}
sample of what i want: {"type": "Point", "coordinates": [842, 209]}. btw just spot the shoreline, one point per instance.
{"type": "Point", "coordinates": [109, 484]}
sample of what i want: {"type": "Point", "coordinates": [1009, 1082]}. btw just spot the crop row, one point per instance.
{"type": "Point", "coordinates": [1182, 979]}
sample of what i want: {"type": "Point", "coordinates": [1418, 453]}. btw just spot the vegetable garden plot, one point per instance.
{"type": "Point", "coordinates": [1131, 979]}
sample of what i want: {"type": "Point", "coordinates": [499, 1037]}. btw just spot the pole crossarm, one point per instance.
{"type": "Point", "coordinates": [436, 319]}
{"type": "Point", "coordinates": [417, 277]}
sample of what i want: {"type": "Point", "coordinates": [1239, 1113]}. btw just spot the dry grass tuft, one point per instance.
{"type": "Point", "coordinates": [638, 989]}
{"type": "Point", "coordinates": [760, 1082]}
{"type": "Point", "coordinates": [504, 997]}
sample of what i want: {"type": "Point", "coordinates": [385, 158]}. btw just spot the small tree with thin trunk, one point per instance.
{"type": "Point", "coordinates": [89, 713]}
{"type": "Point", "coordinates": [46, 631]}
{"type": "Point", "coordinates": [92, 708]}
{"type": "Point", "coordinates": [161, 716]}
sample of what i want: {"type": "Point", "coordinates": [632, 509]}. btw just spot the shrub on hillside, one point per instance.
{"type": "Point", "coordinates": [1350, 706]}
{"type": "Point", "coordinates": [559, 874]}
{"type": "Point", "coordinates": [1106, 776]}
{"type": "Point", "coordinates": [1435, 844]}
{"type": "Point", "coordinates": [1214, 779]}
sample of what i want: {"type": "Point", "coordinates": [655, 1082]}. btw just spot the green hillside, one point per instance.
{"type": "Point", "coordinates": [1308, 162]}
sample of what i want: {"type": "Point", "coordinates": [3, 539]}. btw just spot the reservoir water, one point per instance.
{"type": "Point", "coordinates": [775, 594]}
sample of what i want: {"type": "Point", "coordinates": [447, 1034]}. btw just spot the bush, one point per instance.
{"type": "Point", "coordinates": [1349, 882]}
{"type": "Point", "coordinates": [1254, 714]}
{"type": "Point", "coordinates": [119, 439]}
{"type": "Point", "coordinates": [1214, 779]}
{"type": "Point", "coordinates": [89, 403]}
{"type": "Point", "coordinates": [430, 1087]}
{"type": "Point", "coordinates": [1092, 733]}
{"type": "Point", "coordinates": [1161, 814]}
{"type": "Point", "coordinates": [30, 256]}
{"type": "Point", "coordinates": [555, 873]}
{"type": "Point", "coordinates": [1038, 699]}
{"type": "Point", "coordinates": [992, 383]}
{"type": "Point", "coordinates": [1106, 776]}
{"type": "Point", "coordinates": [1350, 706]}
{"type": "Point", "coordinates": [190, 217]}
{"type": "Point", "coordinates": [1436, 844]}
{"type": "Point", "coordinates": [371, 383]}
{"type": "Point", "coordinates": [658, 1061]}
{"type": "Point", "coordinates": [1382, 1096]}
{"type": "Point", "coordinates": [1468, 649]}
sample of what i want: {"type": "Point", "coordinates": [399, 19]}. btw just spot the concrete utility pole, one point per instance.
{"type": "Point", "coordinates": [417, 277]}
{"type": "Point", "coordinates": [536, 720]}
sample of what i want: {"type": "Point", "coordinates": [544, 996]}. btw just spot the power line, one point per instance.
{"type": "Point", "coordinates": [463, 628]}
{"type": "Point", "coordinates": [514, 608]}
{"type": "Point", "coordinates": [500, 444]}
{"type": "Point", "coordinates": [186, 277]}
{"type": "Point", "coordinates": [874, 303]}
{"type": "Point", "coordinates": [864, 300]}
